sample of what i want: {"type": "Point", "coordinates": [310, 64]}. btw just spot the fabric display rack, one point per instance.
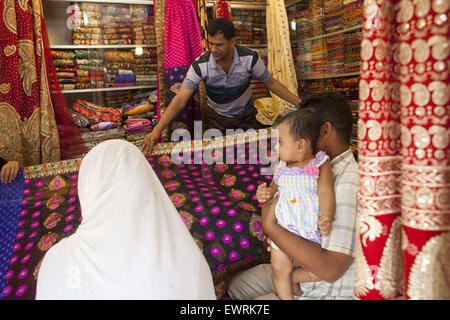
{"type": "Point", "coordinates": [106, 60]}
{"type": "Point", "coordinates": [327, 40]}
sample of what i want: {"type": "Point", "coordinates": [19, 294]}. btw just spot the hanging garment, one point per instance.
{"type": "Point", "coordinates": [183, 44]}
{"type": "Point", "coordinates": [280, 61]}
{"type": "Point", "coordinates": [403, 247]}
{"type": "Point", "coordinates": [131, 243]}
{"type": "Point", "coordinates": [35, 122]}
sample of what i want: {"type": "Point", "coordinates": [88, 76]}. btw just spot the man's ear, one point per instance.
{"type": "Point", "coordinates": [326, 129]}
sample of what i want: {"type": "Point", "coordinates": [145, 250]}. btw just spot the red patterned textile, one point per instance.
{"type": "Point", "coordinates": [35, 123]}
{"type": "Point", "coordinates": [404, 208]}
{"type": "Point", "coordinates": [222, 9]}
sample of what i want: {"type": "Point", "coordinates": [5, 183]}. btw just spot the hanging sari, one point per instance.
{"type": "Point", "coordinates": [281, 63]}
{"type": "Point", "coordinates": [404, 210]}
{"type": "Point", "coordinates": [222, 9]}
{"type": "Point", "coordinates": [29, 132]}
{"type": "Point", "coordinates": [182, 45]}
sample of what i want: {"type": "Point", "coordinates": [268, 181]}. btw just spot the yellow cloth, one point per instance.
{"type": "Point", "coordinates": [281, 63]}
{"type": "Point", "coordinates": [267, 110]}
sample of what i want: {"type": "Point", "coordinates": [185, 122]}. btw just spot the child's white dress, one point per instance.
{"type": "Point", "coordinates": [297, 209]}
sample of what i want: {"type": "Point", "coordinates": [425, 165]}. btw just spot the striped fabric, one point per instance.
{"type": "Point", "coordinates": [228, 94]}
{"type": "Point", "coordinates": [343, 231]}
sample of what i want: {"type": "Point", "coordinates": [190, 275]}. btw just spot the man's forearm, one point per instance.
{"type": "Point", "coordinates": [280, 90]}
{"type": "Point", "coordinates": [307, 254]}
{"type": "Point", "coordinates": [175, 106]}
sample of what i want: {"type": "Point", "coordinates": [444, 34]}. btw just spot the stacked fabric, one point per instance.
{"type": "Point", "coordinates": [259, 27]}
{"type": "Point", "coordinates": [115, 99]}
{"type": "Point", "coordinates": [250, 26]}
{"type": "Point", "coordinates": [65, 68]}
{"type": "Point", "coordinates": [90, 70]}
{"type": "Point", "coordinates": [145, 67]}
{"type": "Point", "coordinates": [87, 24]}
{"type": "Point", "coordinates": [352, 43]}
{"type": "Point", "coordinates": [114, 13]}
{"type": "Point", "coordinates": [316, 17]}
{"type": "Point", "coordinates": [302, 15]}
{"type": "Point", "coordinates": [318, 51]}
{"type": "Point", "coordinates": [118, 33]}
{"type": "Point", "coordinates": [139, 116]}
{"type": "Point", "coordinates": [243, 25]}
{"type": "Point", "coordinates": [304, 59]}
{"type": "Point", "coordinates": [333, 16]}
{"type": "Point", "coordinates": [119, 68]}
{"type": "Point", "coordinates": [259, 90]}
{"type": "Point", "coordinates": [352, 13]}
{"type": "Point", "coordinates": [96, 123]}
{"type": "Point", "coordinates": [335, 54]}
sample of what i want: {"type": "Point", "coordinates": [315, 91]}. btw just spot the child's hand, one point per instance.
{"type": "Point", "coordinates": [324, 223]}
{"type": "Point", "coordinates": [264, 193]}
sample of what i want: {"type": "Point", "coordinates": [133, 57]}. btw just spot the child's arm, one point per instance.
{"type": "Point", "coordinates": [302, 275]}
{"type": "Point", "coordinates": [264, 193]}
{"type": "Point", "coordinates": [326, 198]}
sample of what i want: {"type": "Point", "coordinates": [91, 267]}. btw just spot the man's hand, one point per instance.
{"type": "Point", "coordinates": [149, 141]}
{"type": "Point", "coordinates": [264, 193]}
{"type": "Point", "coordinates": [9, 171]}
{"type": "Point", "coordinates": [268, 215]}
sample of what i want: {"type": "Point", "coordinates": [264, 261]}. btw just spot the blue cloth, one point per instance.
{"type": "Point", "coordinates": [11, 196]}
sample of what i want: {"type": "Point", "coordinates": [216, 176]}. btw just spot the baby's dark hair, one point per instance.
{"type": "Point", "coordinates": [303, 124]}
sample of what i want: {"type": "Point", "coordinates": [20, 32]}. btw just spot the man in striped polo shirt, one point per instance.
{"type": "Point", "coordinates": [226, 70]}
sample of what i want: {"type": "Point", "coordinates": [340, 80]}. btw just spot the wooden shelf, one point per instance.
{"type": "Point", "coordinates": [108, 89]}
{"type": "Point", "coordinates": [102, 46]}
{"type": "Point", "coordinates": [328, 76]}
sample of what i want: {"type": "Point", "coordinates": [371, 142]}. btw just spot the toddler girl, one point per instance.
{"type": "Point", "coordinates": [306, 202]}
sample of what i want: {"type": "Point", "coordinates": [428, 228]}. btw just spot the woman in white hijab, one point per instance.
{"type": "Point", "coordinates": [131, 243]}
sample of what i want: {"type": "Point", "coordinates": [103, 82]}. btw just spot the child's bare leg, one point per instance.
{"type": "Point", "coordinates": [282, 271]}
{"type": "Point", "coordinates": [296, 288]}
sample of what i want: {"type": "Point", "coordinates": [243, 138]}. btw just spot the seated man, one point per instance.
{"type": "Point", "coordinates": [333, 259]}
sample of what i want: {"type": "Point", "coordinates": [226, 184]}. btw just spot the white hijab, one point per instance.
{"type": "Point", "coordinates": [131, 243]}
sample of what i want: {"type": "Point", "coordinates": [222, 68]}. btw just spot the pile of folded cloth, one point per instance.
{"type": "Point", "coordinates": [335, 54]}
{"type": "Point", "coordinates": [318, 51]}
{"type": "Point", "coordinates": [333, 16]}
{"type": "Point", "coordinates": [145, 67]}
{"type": "Point", "coordinates": [259, 90]}
{"type": "Point", "coordinates": [117, 33]}
{"type": "Point", "coordinates": [352, 43]}
{"type": "Point", "coordinates": [90, 69]}
{"type": "Point", "coordinates": [316, 18]}
{"type": "Point", "coordinates": [250, 26]}
{"type": "Point", "coordinates": [87, 24]}
{"type": "Point", "coordinates": [96, 123]}
{"type": "Point", "coordinates": [139, 115]}
{"type": "Point", "coordinates": [65, 68]}
{"type": "Point", "coordinates": [115, 99]}
{"type": "Point", "coordinates": [303, 59]}
{"type": "Point", "coordinates": [119, 68]}
{"type": "Point", "coordinates": [302, 28]}
{"type": "Point", "coordinates": [352, 13]}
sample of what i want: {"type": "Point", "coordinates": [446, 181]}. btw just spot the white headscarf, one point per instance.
{"type": "Point", "coordinates": [131, 243]}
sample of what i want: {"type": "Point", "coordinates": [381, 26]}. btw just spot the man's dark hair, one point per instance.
{"type": "Point", "coordinates": [331, 107]}
{"type": "Point", "coordinates": [303, 124]}
{"type": "Point", "coordinates": [223, 26]}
